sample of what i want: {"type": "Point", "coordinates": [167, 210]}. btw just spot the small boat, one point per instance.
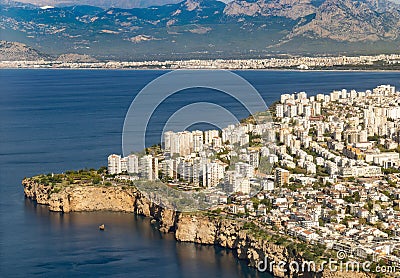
{"type": "Point", "coordinates": [102, 227]}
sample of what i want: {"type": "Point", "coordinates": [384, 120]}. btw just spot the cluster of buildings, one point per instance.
{"type": "Point", "coordinates": [303, 63]}
{"type": "Point", "coordinates": [146, 166]}
{"type": "Point", "coordinates": [201, 159]}
{"type": "Point", "coordinates": [325, 170]}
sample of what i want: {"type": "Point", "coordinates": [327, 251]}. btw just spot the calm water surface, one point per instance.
{"type": "Point", "coordinates": [55, 120]}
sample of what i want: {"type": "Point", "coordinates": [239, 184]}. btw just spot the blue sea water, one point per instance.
{"type": "Point", "coordinates": [55, 120]}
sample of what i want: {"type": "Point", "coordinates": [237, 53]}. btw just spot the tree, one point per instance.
{"type": "Point", "coordinates": [96, 180]}
{"type": "Point", "coordinates": [102, 170]}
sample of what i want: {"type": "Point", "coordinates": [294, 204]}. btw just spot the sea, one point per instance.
{"type": "Point", "coordinates": [57, 120]}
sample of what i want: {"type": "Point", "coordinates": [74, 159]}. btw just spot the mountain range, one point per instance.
{"type": "Point", "coordinates": [124, 4]}
{"type": "Point", "coordinates": [207, 28]}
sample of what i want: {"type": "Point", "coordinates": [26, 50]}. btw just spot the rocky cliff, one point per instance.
{"type": "Point", "coordinates": [188, 227]}
{"type": "Point", "coordinates": [98, 198]}
{"type": "Point", "coordinates": [233, 235]}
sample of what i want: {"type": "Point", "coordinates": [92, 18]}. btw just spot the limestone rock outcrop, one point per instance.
{"type": "Point", "coordinates": [188, 227]}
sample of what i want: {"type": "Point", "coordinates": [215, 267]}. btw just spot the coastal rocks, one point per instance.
{"type": "Point", "coordinates": [165, 217]}
{"type": "Point", "coordinates": [188, 227]}
{"type": "Point", "coordinates": [195, 229]}
{"type": "Point", "coordinates": [90, 198]}
{"type": "Point", "coordinates": [230, 234]}
{"type": "Point", "coordinates": [37, 191]}
{"type": "Point", "coordinates": [81, 198]}
{"type": "Point", "coordinates": [99, 198]}
{"type": "Point", "coordinates": [142, 206]}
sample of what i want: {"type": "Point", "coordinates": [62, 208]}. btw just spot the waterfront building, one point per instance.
{"type": "Point", "coordinates": [148, 168]}
{"type": "Point", "coordinates": [114, 164]}
{"type": "Point", "coordinates": [132, 164]}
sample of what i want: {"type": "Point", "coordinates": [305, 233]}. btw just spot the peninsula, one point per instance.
{"type": "Point", "coordinates": [321, 179]}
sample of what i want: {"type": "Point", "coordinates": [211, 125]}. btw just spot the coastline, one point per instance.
{"type": "Point", "coordinates": [209, 69]}
{"type": "Point", "coordinates": [201, 228]}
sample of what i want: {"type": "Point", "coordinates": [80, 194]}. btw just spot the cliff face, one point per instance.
{"type": "Point", "coordinates": [98, 198]}
{"type": "Point", "coordinates": [81, 198]}
{"type": "Point", "coordinates": [195, 228]}
{"type": "Point", "coordinates": [231, 234]}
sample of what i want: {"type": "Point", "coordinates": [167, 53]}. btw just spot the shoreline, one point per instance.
{"type": "Point", "coordinates": [248, 243]}
{"type": "Point", "coordinates": [210, 69]}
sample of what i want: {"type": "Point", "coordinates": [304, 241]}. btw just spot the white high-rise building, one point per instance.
{"type": "Point", "coordinates": [244, 139]}
{"type": "Point", "coordinates": [169, 168]}
{"type": "Point", "coordinates": [198, 140]}
{"type": "Point", "coordinates": [285, 97]}
{"type": "Point", "coordinates": [209, 135]}
{"type": "Point", "coordinates": [302, 95]}
{"type": "Point", "coordinates": [300, 108]}
{"type": "Point", "coordinates": [316, 108]}
{"type": "Point", "coordinates": [217, 142]}
{"type": "Point", "coordinates": [171, 142]}
{"type": "Point", "coordinates": [213, 173]}
{"type": "Point", "coordinates": [236, 183]}
{"type": "Point", "coordinates": [279, 111]}
{"type": "Point", "coordinates": [185, 143]}
{"type": "Point", "coordinates": [244, 169]}
{"type": "Point", "coordinates": [148, 167]}
{"type": "Point", "coordinates": [254, 159]}
{"type": "Point", "coordinates": [268, 185]}
{"type": "Point", "coordinates": [168, 137]}
{"type": "Point", "coordinates": [198, 167]}
{"type": "Point", "coordinates": [185, 170]}
{"type": "Point", "coordinates": [334, 96]}
{"type": "Point", "coordinates": [132, 164]}
{"type": "Point", "coordinates": [124, 164]}
{"type": "Point", "coordinates": [114, 164]}
{"type": "Point", "coordinates": [320, 97]}
{"type": "Point", "coordinates": [178, 143]}
{"type": "Point", "coordinates": [292, 111]}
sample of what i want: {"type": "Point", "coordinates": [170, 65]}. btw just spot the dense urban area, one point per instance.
{"type": "Point", "coordinates": [304, 63]}
{"type": "Point", "coordinates": [335, 172]}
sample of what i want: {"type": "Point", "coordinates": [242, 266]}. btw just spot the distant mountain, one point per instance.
{"type": "Point", "coordinates": [341, 20]}
{"type": "Point", "coordinates": [208, 28]}
{"type": "Point", "coordinates": [353, 21]}
{"type": "Point", "coordinates": [12, 51]}
{"type": "Point", "coordinates": [124, 4]}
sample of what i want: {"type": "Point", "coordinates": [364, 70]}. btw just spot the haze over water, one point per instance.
{"type": "Point", "coordinates": [56, 120]}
